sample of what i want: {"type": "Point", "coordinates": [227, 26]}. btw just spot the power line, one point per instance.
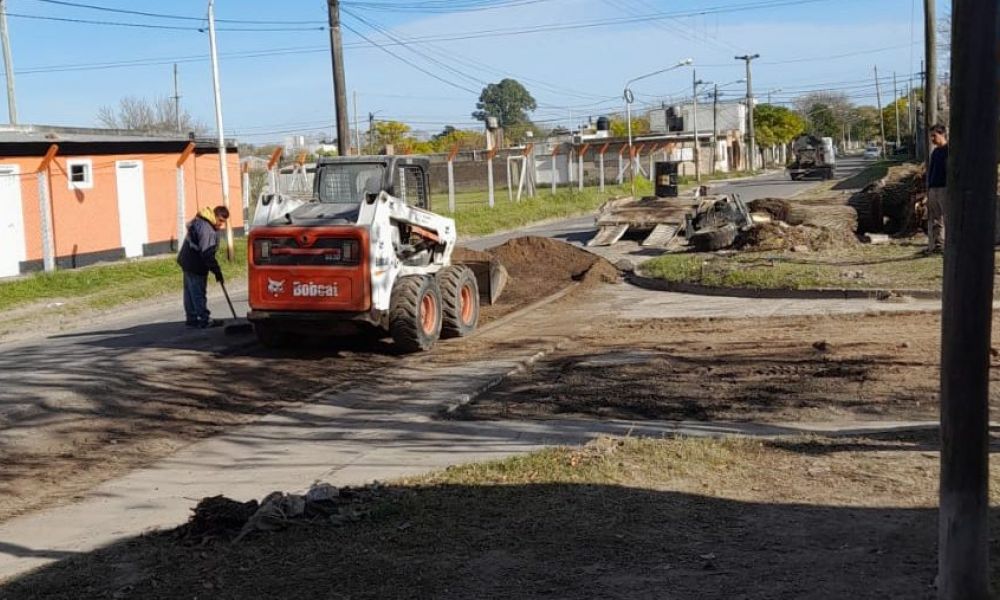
{"type": "Point", "coordinates": [124, 11]}
{"type": "Point", "coordinates": [156, 26]}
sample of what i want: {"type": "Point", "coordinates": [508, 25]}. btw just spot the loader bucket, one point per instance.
{"type": "Point", "coordinates": [491, 277]}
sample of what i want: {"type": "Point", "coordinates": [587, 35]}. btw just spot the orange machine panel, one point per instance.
{"type": "Point", "coordinates": [309, 269]}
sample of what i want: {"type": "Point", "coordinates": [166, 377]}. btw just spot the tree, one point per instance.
{"type": "Point", "coordinates": [865, 124]}
{"type": "Point", "coordinates": [140, 114]}
{"type": "Point", "coordinates": [889, 114]}
{"type": "Point", "coordinates": [619, 128]}
{"type": "Point", "coordinates": [391, 132]}
{"type": "Point", "coordinates": [508, 101]}
{"type": "Point", "coordinates": [465, 139]}
{"type": "Point", "coordinates": [777, 125]}
{"type": "Point", "coordinates": [825, 112]}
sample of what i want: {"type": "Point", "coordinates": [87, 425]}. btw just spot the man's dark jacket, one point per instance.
{"type": "Point", "coordinates": [197, 255]}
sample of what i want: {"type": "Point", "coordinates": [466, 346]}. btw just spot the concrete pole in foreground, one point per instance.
{"type": "Point", "coordinates": [967, 305]}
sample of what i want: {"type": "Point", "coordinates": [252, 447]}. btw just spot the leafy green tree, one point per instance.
{"type": "Point", "coordinates": [619, 127]}
{"type": "Point", "coordinates": [508, 101]}
{"type": "Point", "coordinates": [889, 114]}
{"type": "Point", "coordinates": [777, 125]}
{"type": "Point", "coordinates": [391, 132]}
{"type": "Point", "coordinates": [465, 139]}
{"type": "Point", "coordinates": [865, 124]}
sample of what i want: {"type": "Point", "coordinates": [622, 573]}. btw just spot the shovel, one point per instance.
{"type": "Point", "coordinates": [237, 328]}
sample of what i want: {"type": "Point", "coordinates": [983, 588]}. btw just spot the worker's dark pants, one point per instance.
{"type": "Point", "coordinates": [196, 299]}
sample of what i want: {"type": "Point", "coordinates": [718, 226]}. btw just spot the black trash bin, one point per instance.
{"type": "Point", "coordinates": [665, 179]}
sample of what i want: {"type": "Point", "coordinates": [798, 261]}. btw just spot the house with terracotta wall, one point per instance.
{"type": "Point", "coordinates": [83, 196]}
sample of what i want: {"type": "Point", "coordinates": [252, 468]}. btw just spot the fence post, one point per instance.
{"type": "Point", "coordinates": [489, 174]}
{"type": "Point", "coordinates": [529, 172]}
{"type": "Point", "coordinates": [555, 152]}
{"type": "Point", "coordinates": [510, 180]}
{"type": "Point", "coordinates": [246, 197]}
{"type": "Point", "coordinates": [600, 160]}
{"type": "Point", "coordinates": [583, 153]}
{"type": "Point", "coordinates": [45, 210]}
{"type": "Point", "coordinates": [272, 165]}
{"type": "Point", "coordinates": [451, 178]}
{"type": "Point", "coordinates": [569, 165]}
{"type": "Point", "coordinates": [181, 197]}
{"type": "Point", "coordinates": [621, 166]}
{"type": "Point", "coordinates": [637, 160]}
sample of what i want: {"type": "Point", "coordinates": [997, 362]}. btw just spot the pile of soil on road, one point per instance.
{"type": "Point", "coordinates": [538, 267]}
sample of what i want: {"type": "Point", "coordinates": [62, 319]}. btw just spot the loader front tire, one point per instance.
{"type": "Point", "coordinates": [415, 313]}
{"type": "Point", "coordinates": [459, 301]}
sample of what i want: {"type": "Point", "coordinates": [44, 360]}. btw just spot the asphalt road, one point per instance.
{"type": "Point", "coordinates": [48, 373]}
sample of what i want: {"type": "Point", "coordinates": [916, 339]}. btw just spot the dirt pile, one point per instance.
{"type": "Point", "coordinates": [799, 226]}
{"type": "Point", "coordinates": [221, 518]}
{"type": "Point", "coordinates": [539, 267]}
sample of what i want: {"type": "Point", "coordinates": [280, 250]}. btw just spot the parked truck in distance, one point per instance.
{"type": "Point", "coordinates": [812, 156]}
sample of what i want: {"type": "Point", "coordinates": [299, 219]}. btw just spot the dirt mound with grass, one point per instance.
{"type": "Point", "coordinates": [778, 236]}
{"type": "Point", "coordinates": [539, 267]}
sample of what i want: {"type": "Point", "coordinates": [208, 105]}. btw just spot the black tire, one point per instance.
{"type": "Point", "coordinates": [709, 240]}
{"type": "Point", "coordinates": [459, 301]}
{"type": "Point", "coordinates": [415, 313]}
{"type": "Point", "coordinates": [270, 336]}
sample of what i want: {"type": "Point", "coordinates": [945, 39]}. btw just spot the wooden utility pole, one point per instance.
{"type": "Point", "coordinates": [967, 309]}
{"type": "Point", "coordinates": [339, 87]}
{"type": "Point", "coordinates": [931, 83]}
{"type": "Point", "coordinates": [881, 117]}
{"type": "Point", "coordinates": [694, 118]}
{"type": "Point", "coordinates": [752, 138]}
{"type": "Point", "coordinates": [8, 64]}
{"type": "Point", "coordinates": [715, 126]}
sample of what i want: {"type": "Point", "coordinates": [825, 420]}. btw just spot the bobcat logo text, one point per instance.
{"type": "Point", "coordinates": [313, 290]}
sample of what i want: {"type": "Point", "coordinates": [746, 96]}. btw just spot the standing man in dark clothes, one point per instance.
{"type": "Point", "coordinates": [197, 259]}
{"type": "Point", "coordinates": [937, 182]}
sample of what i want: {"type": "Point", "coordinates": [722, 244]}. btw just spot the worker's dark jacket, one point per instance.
{"type": "Point", "coordinates": [937, 168]}
{"type": "Point", "coordinates": [197, 254]}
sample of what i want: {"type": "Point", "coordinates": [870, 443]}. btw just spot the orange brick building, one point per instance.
{"type": "Point", "coordinates": [111, 195]}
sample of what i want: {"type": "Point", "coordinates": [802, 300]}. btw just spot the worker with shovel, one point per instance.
{"type": "Point", "coordinates": [197, 259]}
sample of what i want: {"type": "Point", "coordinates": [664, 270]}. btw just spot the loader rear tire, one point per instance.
{"type": "Point", "coordinates": [459, 301]}
{"type": "Point", "coordinates": [415, 313]}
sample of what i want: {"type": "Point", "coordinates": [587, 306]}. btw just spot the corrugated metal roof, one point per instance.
{"type": "Point", "coordinates": [52, 134]}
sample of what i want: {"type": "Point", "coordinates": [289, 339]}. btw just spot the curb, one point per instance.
{"type": "Point", "coordinates": [660, 285]}
{"type": "Point", "coordinates": [523, 365]}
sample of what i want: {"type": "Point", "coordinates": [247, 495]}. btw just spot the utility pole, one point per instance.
{"type": "Point", "coordinates": [930, 49]}
{"type": "Point", "coordinates": [881, 117]}
{"type": "Point", "coordinates": [223, 170]}
{"type": "Point", "coordinates": [339, 87]}
{"type": "Point", "coordinates": [694, 118]}
{"type": "Point", "coordinates": [895, 103]}
{"type": "Point", "coordinates": [8, 64]}
{"type": "Point", "coordinates": [715, 126]}
{"type": "Point", "coordinates": [357, 130]}
{"type": "Point", "coordinates": [967, 305]}
{"type": "Point", "coordinates": [177, 101]}
{"type": "Point", "coordinates": [752, 138]}
{"type": "Point", "coordinates": [371, 133]}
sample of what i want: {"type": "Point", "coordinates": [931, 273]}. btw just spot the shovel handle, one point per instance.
{"type": "Point", "coordinates": [228, 301]}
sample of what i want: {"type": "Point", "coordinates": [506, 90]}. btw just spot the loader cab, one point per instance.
{"type": "Point", "coordinates": [353, 180]}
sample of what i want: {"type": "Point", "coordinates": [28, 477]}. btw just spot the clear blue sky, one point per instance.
{"type": "Point", "coordinates": [279, 81]}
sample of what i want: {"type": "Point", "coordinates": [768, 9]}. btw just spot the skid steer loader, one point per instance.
{"type": "Point", "coordinates": [362, 252]}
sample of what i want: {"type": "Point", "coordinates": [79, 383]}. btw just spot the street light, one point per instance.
{"type": "Point", "coordinates": [629, 99]}
{"type": "Point", "coordinates": [694, 118]}
{"type": "Point", "coordinates": [218, 125]}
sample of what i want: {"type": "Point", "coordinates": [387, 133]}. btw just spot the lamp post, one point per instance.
{"type": "Point", "coordinates": [223, 166]}
{"type": "Point", "coordinates": [630, 98]}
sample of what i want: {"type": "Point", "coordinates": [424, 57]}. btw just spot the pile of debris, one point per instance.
{"type": "Point", "coordinates": [536, 268]}
{"type": "Point", "coordinates": [221, 518]}
{"type": "Point", "coordinates": [895, 204]}
{"type": "Point", "coordinates": [782, 225]}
